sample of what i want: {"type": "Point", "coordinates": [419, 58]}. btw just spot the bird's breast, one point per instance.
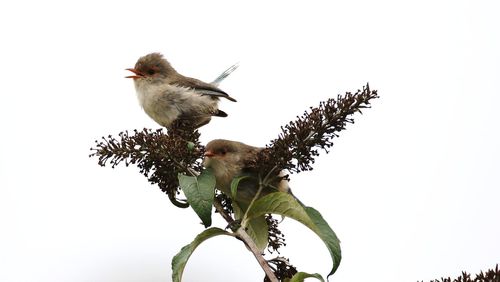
{"type": "Point", "coordinates": [165, 102]}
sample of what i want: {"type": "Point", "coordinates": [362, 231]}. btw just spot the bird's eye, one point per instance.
{"type": "Point", "coordinates": [151, 71]}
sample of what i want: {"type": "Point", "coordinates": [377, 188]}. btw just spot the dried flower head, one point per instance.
{"type": "Point", "coordinates": [492, 275]}
{"type": "Point", "coordinates": [299, 141]}
{"type": "Point", "coordinates": [276, 238]}
{"type": "Point", "coordinates": [282, 269]}
{"type": "Point", "coordinates": [159, 156]}
{"type": "Point", "coordinates": [225, 203]}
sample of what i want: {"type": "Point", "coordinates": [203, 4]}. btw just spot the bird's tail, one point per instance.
{"type": "Point", "coordinates": [225, 74]}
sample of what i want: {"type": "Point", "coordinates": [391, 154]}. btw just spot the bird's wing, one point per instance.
{"type": "Point", "coordinates": [202, 87]}
{"type": "Point", "coordinates": [250, 156]}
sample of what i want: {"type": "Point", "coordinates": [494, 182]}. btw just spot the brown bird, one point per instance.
{"type": "Point", "coordinates": [168, 96]}
{"type": "Point", "coordinates": [229, 159]}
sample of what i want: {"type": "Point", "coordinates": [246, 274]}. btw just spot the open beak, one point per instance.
{"type": "Point", "coordinates": [137, 73]}
{"type": "Point", "coordinates": [209, 154]}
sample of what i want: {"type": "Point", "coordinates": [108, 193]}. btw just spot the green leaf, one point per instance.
{"type": "Point", "coordinates": [238, 212]}
{"type": "Point", "coordinates": [257, 229]}
{"type": "Point", "coordinates": [286, 205]}
{"type": "Point", "coordinates": [199, 192]}
{"type": "Point", "coordinates": [234, 185]}
{"type": "Point", "coordinates": [301, 276]}
{"type": "Point", "coordinates": [180, 259]}
{"type": "Point", "coordinates": [325, 232]}
{"type": "Point", "coordinates": [190, 146]}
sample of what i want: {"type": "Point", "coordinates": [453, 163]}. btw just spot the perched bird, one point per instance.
{"type": "Point", "coordinates": [229, 159]}
{"type": "Point", "coordinates": [168, 96]}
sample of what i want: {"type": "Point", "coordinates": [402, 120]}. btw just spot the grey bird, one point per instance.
{"type": "Point", "coordinates": [168, 96]}
{"type": "Point", "coordinates": [230, 159]}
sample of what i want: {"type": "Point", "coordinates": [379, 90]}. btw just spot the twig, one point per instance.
{"type": "Point", "coordinates": [223, 213]}
{"type": "Point", "coordinates": [243, 235]}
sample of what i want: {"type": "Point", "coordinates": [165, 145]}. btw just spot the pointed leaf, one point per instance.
{"type": "Point", "coordinates": [199, 192]}
{"type": "Point", "coordinates": [301, 276]}
{"type": "Point", "coordinates": [238, 212]}
{"type": "Point", "coordinates": [257, 229]}
{"type": "Point", "coordinates": [325, 232]}
{"type": "Point", "coordinates": [180, 259]}
{"type": "Point", "coordinates": [234, 185]}
{"type": "Point", "coordinates": [286, 205]}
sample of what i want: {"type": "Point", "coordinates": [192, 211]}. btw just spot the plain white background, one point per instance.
{"type": "Point", "coordinates": [411, 188]}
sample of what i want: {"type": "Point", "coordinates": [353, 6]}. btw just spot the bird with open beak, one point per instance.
{"type": "Point", "coordinates": [168, 96]}
{"type": "Point", "coordinates": [230, 159]}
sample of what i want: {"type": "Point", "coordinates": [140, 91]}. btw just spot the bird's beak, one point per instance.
{"type": "Point", "coordinates": [137, 73]}
{"type": "Point", "coordinates": [209, 154]}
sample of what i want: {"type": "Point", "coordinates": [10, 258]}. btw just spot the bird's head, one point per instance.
{"type": "Point", "coordinates": [152, 67]}
{"type": "Point", "coordinates": [221, 152]}
{"type": "Point", "coordinates": [229, 155]}
{"type": "Point", "coordinates": [227, 159]}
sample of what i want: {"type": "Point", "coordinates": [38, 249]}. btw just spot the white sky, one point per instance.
{"type": "Point", "coordinates": [411, 189]}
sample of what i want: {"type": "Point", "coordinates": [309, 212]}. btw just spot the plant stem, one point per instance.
{"type": "Point", "coordinates": [243, 235]}
{"type": "Point", "coordinates": [218, 207]}
{"type": "Point", "coordinates": [244, 218]}
{"type": "Point", "coordinates": [262, 183]}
